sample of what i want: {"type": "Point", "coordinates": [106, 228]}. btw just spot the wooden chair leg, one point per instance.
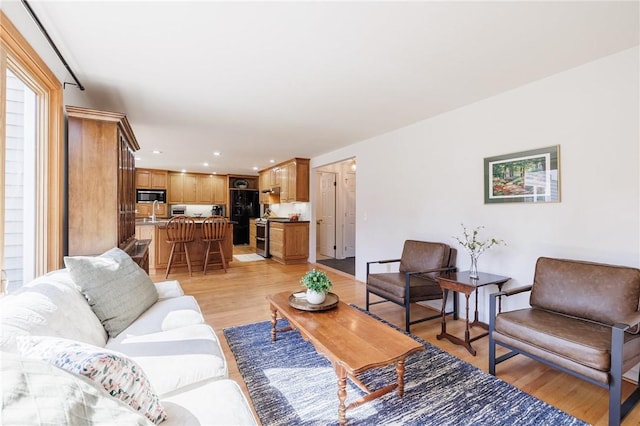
{"type": "Point", "coordinates": [224, 263]}
{"type": "Point", "coordinates": [186, 252]}
{"type": "Point", "coordinates": [206, 258]}
{"type": "Point", "coordinates": [173, 247]}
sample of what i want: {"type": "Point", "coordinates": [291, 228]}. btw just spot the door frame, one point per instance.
{"type": "Point", "coordinates": [339, 168]}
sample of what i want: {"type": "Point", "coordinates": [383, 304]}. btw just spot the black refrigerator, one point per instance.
{"type": "Point", "coordinates": [244, 206]}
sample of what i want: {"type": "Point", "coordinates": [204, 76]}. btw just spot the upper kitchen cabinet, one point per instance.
{"type": "Point", "coordinates": [151, 179]}
{"type": "Point", "coordinates": [290, 179]}
{"type": "Point", "coordinates": [101, 181]}
{"type": "Point", "coordinates": [174, 191]}
{"type": "Point", "coordinates": [294, 181]}
{"type": "Point", "coordinates": [197, 188]}
{"type": "Point", "coordinates": [212, 189]}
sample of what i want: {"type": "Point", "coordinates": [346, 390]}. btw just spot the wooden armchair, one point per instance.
{"type": "Point", "coordinates": [583, 320]}
{"type": "Point", "coordinates": [420, 264]}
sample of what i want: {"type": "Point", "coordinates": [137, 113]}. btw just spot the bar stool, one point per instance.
{"type": "Point", "coordinates": [180, 230]}
{"type": "Point", "coordinates": [214, 229]}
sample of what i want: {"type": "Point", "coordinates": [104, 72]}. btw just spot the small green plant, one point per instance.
{"type": "Point", "coordinates": [316, 281]}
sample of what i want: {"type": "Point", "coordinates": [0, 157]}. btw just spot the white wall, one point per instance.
{"type": "Point", "coordinates": [21, 19]}
{"type": "Point", "coordinates": [423, 180]}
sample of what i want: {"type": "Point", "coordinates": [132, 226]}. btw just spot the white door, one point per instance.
{"type": "Point", "coordinates": [350, 215]}
{"type": "Point", "coordinates": [327, 215]}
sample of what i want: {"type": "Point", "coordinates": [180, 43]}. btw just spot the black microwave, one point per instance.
{"type": "Point", "coordinates": [151, 195]}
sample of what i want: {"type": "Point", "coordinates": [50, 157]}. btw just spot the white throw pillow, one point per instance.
{"type": "Point", "coordinates": [117, 289]}
{"type": "Point", "coordinates": [120, 376]}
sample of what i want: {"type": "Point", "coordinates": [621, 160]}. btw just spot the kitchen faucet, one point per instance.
{"type": "Point", "coordinates": [153, 210]}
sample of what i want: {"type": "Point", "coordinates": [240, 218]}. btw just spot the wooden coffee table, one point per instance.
{"type": "Point", "coordinates": [353, 341]}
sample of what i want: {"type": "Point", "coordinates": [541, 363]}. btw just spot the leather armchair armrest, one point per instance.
{"type": "Point", "coordinates": [379, 261]}
{"type": "Point", "coordinates": [631, 323]}
{"type": "Point", "coordinates": [446, 269]}
{"type": "Point", "coordinates": [384, 261]}
{"type": "Point", "coordinates": [512, 291]}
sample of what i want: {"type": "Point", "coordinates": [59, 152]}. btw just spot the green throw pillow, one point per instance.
{"type": "Point", "coordinates": [117, 289]}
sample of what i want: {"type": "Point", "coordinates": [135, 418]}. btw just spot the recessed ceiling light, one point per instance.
{"type": "Point", "coordinates": [138, 159]}
{"type": "Point", "coordinates": [255, 168]}
{"type": "Point", "coordinates": [183, 171]}
{"type": "Point", "coordinates": [217, 153]}
{"type": "Point", "coordinates": [206, 164]}
{"type": "Point", "coordinates": [155, 151]}
{"type": "Point", "coordinates": [214, 173]}
{"type": "Point", "coordinates": [272, 161]}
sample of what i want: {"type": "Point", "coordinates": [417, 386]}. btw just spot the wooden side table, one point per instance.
{"type": "Point", "coordinates": [460, 282]}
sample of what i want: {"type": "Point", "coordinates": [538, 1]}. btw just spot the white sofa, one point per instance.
{"type": "Point", "coordinates": [180, 355]}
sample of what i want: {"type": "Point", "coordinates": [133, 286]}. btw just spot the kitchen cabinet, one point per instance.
{"type": "Point", "coordinates": [101, 182]}
{"type": "Point", "coordinates": [151, 179]}
{"type": "Point", "coordinates": [252, 234]}
{"type": "Point", "coordinates": [220, 189]}
{"type": "Point", "coordinates": [264, 183]}
{"type": "Point", "coordinates": [197, 188]}
{"type": "Point", "coordinates": [212, 189]}
{"type": "Point", "coordinates": [147, 232]}
{"type": "Point", "coordinates": [174, 191]}
{"type": "Point", "coordinates": [146, 210]}
{"type": "Point", "coordinates": [294, 181]}
{"type": "Point", "coordinates": [292, 177]}
{"type": "Point", "coordinates": [189, 188]}
{"type": "Point", "coordinates": [204, 188]}
{"type": "Point", "coordinates": [289, 242]}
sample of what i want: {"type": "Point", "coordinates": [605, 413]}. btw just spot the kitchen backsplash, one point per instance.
{"type": "Point", "coordinates": [284, 209]}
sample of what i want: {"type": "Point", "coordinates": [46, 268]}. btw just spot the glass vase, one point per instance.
{"type": "Point", "coordinates": [473, 269]}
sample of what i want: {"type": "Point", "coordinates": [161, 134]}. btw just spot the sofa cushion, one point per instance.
{"type": "Point", "coordinates": [50, 305]}
{"type": "Point", "coordinates": [175, 358]}
{"type": "Point", "coordinates": [165, 314]}
{"type": "Point", "coordinates": [570, 287]}
{"type": "Point", "coordinates": [212, 403]}
{"type": "Point", "coordinates": [117, 289]}
{"type": "Point", "coordinates": [167, 289]}
{"type": "Point", "coordinates": [120, 376]}
{"type": "Point", "coordinates": [37, 392]}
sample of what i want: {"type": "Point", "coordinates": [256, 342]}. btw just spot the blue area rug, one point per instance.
{"type": "Point", "coordinates": [291, 384]}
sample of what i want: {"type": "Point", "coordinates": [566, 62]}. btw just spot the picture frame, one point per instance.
{"type": "Point", "coordinates": [523, 177]}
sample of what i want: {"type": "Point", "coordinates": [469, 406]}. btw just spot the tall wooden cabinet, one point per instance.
{"type": "Point", "coordinates": [101, 182]}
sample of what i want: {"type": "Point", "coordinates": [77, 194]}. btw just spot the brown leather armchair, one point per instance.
{"type": "Point", "coordinates": [583, 320]}
{"type": "Point", "coordinates": [415, 281]}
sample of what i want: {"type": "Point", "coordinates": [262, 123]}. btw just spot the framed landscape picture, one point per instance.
{"type": "Point", "coordinates": [523, 177]}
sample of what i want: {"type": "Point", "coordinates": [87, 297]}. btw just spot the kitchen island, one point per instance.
{"type": "Point", "coordinates": [159, 249]}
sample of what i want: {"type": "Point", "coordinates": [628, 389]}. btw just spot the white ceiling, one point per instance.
{"type": "Point", "coordinates": [273, 80]}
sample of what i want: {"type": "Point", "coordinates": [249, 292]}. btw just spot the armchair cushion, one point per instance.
{"type": "Point", "coordinates": [420, 256]}
{"type": "Point", "coordinates": [392, 287]}
{"type": "Point", "coordinates": [587, 343]}
{"type": "Point", "coordinates": [570, 287]}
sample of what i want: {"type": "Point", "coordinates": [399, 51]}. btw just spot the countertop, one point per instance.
{"type": "Point", "coordinates": [143, 222]}
{"type": "Point", "coordinates": [281, 220]}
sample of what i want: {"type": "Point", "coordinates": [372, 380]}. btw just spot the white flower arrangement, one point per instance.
{"type": "Point", "coordinates": [473, 245]}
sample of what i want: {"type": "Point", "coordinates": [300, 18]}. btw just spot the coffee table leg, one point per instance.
{"type": "Point", "coordinates": [400, 372]}
{"type": "Point", "coordinates": [274, 321]}
{"type": "Point", "coordinates": [342, 393]}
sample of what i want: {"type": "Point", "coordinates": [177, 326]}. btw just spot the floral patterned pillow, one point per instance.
{"type": "Point", "coordinates": [120, 376]}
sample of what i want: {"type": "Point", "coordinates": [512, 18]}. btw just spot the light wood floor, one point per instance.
{"type": "Point", "coordinates": [238, 297]}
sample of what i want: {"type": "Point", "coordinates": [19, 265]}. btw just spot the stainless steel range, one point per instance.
{"type": "Point", "coordinates": [262, 237]}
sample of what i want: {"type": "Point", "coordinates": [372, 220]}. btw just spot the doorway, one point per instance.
{"type": "Point", "coordinates": [335, 212]}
